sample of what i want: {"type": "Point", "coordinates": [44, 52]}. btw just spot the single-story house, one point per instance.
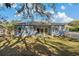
{"type": "Point", "coordinates": [39, 27]}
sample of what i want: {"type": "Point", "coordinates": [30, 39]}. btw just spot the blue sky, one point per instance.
{"type": "Point", "coordinates": [64, 11]}
{"type": "Point", "coordinates": [71, 10]}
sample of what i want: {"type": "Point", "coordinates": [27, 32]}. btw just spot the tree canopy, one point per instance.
{"type": "Point", "coordinates": [27, 10]}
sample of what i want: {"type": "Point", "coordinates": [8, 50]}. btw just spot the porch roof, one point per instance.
{"type": "Point", "coordinates": [39, 24]}
{"type": "Point", "coordinates": [34, 23]}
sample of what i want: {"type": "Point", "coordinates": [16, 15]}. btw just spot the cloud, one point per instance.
{"type": "Point", "coordinates": [62, 18]}
{"type": "Point", "coordinates": [50, 11]}
{"type": "Point", "coordinates": [62, 7]}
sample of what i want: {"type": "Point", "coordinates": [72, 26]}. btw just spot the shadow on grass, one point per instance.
{"type": "Point", "coordinates": [42, 50]}
{"type": "Point", "coordinates": [62, 49]}
{"type": "Point", "coordinates": [7, 50]}
{"type": "Point", "coordinates": [20, 51]}
{"type": "Point", "coordinates": [37, 49]}
{"type": "Point", "coordinates": [16, 51]}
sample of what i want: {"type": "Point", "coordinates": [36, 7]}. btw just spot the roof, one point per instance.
{"type": "Point", "coordinates": [39, 23]}
{"type": "Point", "coordinates": [59, 24]}
{"type": "Point", "coordinates": [34, 23]}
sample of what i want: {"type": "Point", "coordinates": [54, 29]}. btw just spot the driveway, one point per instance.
{"type": "Point", "coordinates": [74, 35]}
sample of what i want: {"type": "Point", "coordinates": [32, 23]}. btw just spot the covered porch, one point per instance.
{"type": "Point", "coordinates": [42, 29]}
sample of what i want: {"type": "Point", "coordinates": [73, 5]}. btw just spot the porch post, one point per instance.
{"type": "Point", "coordinates": [44, 30]}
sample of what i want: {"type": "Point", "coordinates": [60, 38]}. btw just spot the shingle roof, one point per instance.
{"type": "Point", "coordinates": [58, 23]}
{"type": "Point", "coordinates": [39, 23]}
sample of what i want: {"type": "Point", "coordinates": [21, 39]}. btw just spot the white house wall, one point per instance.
{"type": "Point", "coordinates": [57, 30]}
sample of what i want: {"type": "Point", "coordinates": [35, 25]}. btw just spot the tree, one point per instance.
{"type": "Point", "coordinates": [9, 26]}
{"type": "Point", "coordinates": [28, 9]}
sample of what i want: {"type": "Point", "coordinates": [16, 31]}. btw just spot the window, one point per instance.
{"type": "Point", "coordinates": [46, 30]}
{"type": "Point", "coordinates": [38, 30]}
{"type": "Point", "coordinates": [41, 30]}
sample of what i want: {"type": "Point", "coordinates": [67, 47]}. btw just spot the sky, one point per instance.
{"type": "Point", "coordinates": [65, 12]}
{"type": "Point", "coordinates": [71, 10]}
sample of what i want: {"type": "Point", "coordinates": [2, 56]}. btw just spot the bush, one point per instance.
{"type": "Point", "coordinates": [76, 29]}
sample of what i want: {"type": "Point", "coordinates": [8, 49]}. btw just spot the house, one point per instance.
{"type": "Point", "coordinates": [36, 27]}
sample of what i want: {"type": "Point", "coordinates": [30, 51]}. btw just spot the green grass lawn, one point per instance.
{"type": "Point", "coordinates": [34, 45]}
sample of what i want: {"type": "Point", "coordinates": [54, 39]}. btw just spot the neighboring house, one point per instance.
{"type": "Point", "coordinates": [39, 27]}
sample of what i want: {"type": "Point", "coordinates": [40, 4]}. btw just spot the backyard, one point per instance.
{"type": "Point", "coordinates": [39, 46]}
